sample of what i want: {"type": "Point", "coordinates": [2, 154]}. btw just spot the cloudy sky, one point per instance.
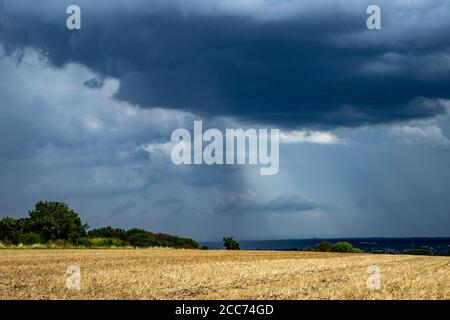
{"type": "Point", "coordinates": [86, 116]}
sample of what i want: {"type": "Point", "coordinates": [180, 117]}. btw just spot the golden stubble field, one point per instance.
{"type": "Point", "coordinates": [197, 274]}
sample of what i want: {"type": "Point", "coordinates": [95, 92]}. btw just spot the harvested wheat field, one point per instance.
{"type": "Point", "coordinates": [197, 274]}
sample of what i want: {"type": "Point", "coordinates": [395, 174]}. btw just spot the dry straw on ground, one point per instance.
{"type": "Point", "coordinates": [197, 274]}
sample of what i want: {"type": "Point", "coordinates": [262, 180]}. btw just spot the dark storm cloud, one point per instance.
{"type": "Point", "coordinates": [318, 68]}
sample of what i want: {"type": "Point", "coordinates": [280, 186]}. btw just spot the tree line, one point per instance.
{"type": "Point", "coordinates": [54, 223]}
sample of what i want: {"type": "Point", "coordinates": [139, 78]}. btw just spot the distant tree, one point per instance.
{"type": "Point", "coordinates": [323, 246]}
{"type": "Point", "coordinates": [231, 244]}
{"type": "Point", "coordinates": [55, 220]}
{"type": "Point", "coordinates": [344, 246]}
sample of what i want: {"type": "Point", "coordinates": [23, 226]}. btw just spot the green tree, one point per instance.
{"type": "Point", "coordinates": [344, 246]}
{"type": "Point", "coordinates": [231, 244]}
{"type": "Point", "coordinates": [323, 246]}
{"type": "Point", "coordinates": [55, 220]}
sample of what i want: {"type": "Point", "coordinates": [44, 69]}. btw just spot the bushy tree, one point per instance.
{"type": "Point", "coordinates": [323, 246]}
{"type": "Point", "coordinates": [344, 246]}
{"type": "Point", "coordinates": [231, 244]}
{"type": "Point", "coordinates": [55, 220]}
